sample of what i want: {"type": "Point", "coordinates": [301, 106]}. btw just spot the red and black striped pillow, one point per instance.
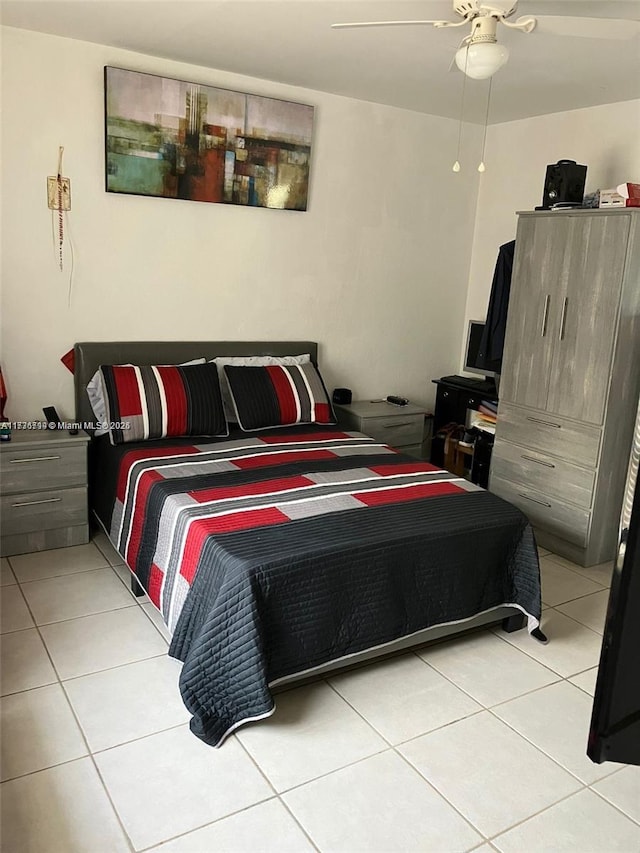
{"type": "Point", "coordinates": [278, 395]}
{"type": "Point", "coordinates": [156, 401]}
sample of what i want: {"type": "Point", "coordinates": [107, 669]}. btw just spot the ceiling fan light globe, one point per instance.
{"type": "Point", "coordinates": [482, 60]}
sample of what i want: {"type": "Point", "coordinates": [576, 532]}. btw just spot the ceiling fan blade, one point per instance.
{"type": "Point", "coordinates": [593, 28]}
{"type": "Point", "coordinates": [353, 25]}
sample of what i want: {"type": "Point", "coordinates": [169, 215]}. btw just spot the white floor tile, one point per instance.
{"type": "Point", "coordinates": [572, 648]}
{"type": "Point", "coordinates": [61, 810]}
{"type": "Point", "coordinates": [313, 731]}
{"type": "Point", "coordinates": [71, 596]}
{"type": "Point", "coordinates": [93, 643]}
{"type": "Point", "coordinates": [600, 574]}
{"type": "Point", "coordinates": [488, 772]}
{"type": "Point", "coordinates": [556, 720]}
{"type": "Point", "coordinates": [379, 804]}
{"type": "Point", "coordinates": [6, 575]}
{"type": "Point", "coordinates": [586, 680]}
{"type": "Point", "coordinates": [487, 668]}
{"type": "Point", "coordinates": [128, 702]}
{"type": "Point", "coordinates": [403, 697]}
{"type": "Point", "coordinates": [24, 662]}
{"type": "Point", "coordinates": [125, 576]}
{"type": "Point", "coordinates": [170, 783]}
{"type": "Point", "coordinates": [61, 561]}
{"type": "Point", "coordinates": [582, 822]}
{"type": "Point", "coordinates": [14, 614]}
{"type": "Point", "coordinates": [38, 730]}
{"type": "Point", "coordinates": [101, 540]}
{"type": "Point", "coordinates": [623, 790]}
{"type": "Point", "coordinates": [560, 584]}
{"type": "Point", "coordinates": [590, 610]}
{"type": "Point", "coordinates": [153, 614]}
{"type": "Point", "coordinates": [264, 828]}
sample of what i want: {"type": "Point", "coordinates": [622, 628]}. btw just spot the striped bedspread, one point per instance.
{"type": "Point", "coordinates": [270, 554]}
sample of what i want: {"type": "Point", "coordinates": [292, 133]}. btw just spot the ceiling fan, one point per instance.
{"type": "Point", "coordinates": [480, 55]}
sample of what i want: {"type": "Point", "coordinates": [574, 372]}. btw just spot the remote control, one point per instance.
{"type": "Point", "coordinates": [397, 401]}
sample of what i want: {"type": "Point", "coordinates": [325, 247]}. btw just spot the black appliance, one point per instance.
{"type": "Point", "coordinates": [614, 734]}
{"type": "Point", "coordinates": [564, 185]}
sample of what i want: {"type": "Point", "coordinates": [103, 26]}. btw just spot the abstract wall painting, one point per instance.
{"type": "Point", "coordinates": [173, 139]}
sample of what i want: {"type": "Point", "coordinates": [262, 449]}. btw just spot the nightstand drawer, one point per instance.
{"type": "Point", "coordinates": [43, 510]}
{"type": "Point", "coordinates": [397, 431]}
{"type": "Point", "coordinates": [30, 470]}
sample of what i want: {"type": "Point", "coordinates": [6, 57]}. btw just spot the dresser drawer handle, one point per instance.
{"type": "Point", "coordinates": [394, 426]}
{"type": "Point", "coordinates": [34, 459]}
{"type": "Point", "coordinates": [34, 503]}
{"type": "Point", "coordinates": [535, 500]}
{"type": "Point", "coordinates": [538, 461]}
{"type": "Point", "coordinates": [546, 423]}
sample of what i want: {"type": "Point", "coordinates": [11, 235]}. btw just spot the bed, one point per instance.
{"type": "Point", "coordinates": [283, 554]}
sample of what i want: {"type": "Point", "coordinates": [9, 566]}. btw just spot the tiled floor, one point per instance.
{"type": "Point", "coordinates": [472, 744]}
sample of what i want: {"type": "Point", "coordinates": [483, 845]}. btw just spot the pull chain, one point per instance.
{"type": "Point", "coordinates": [482, 167]}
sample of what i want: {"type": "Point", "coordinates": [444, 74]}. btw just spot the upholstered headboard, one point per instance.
{"type": "Point", "coordinates": [89, 356]}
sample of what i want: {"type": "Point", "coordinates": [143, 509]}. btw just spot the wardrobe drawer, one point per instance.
{"type": "Point", "coordinates": [25, 470]}
{"type": "Point", "coordinates": [542, 472]}
{"type": "Point", "coordinates": [542, 510]}
{"type": "Point", "coordinates": [43, 510]}
{"type": "Point", "coordinates": [531, 428]}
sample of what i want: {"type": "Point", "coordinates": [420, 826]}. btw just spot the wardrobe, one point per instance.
{"type": "Point", "coordinates": [571, 377]}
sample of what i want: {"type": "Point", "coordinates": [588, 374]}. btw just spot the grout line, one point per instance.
{"type": "Point", "coordinates": [327, 681]}
{"type": "Point", "coordinates": [502, 832]}
{"type": "Point", "coordinates": [541, 750]}
{"type": "Point", "coordinates": [263, 773]}
{"type": "Point", "coordinates": [335, 770]}
{"type": "Point", "coordinates": [63, 575]}
{"type": "Point", "coordinates": [298, 823]}
{"type": "Point", "coordinates": [609, 802]}
{"type": "Point", "coordinates": [439, 793]}
{"type": "Point", "coordinates": [159, 844]}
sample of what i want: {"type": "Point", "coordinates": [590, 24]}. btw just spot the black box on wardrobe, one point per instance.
{"type": "Point", "coordinates": [564, 184]}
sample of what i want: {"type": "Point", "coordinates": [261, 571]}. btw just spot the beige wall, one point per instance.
{"type": "Point", "coordinates": [603, 138]}
{"type": "Point", "coordinates": [376, 270]}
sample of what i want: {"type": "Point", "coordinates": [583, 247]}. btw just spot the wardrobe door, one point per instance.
{"type": "Point", "coordinates": [586, 333]}
{"type": "Point", "coordinates": [539, 279]}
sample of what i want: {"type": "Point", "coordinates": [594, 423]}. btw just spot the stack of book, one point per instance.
{"type": "Point", "coordinates": [486, 416]}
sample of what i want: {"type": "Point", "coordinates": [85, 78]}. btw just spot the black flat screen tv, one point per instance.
{"type": "Point", "coordinates": [473, 359]}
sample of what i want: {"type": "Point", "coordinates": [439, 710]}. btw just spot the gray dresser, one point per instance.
{"type": "Point", "coordinates": [571, 377]}
{"type": "Point", "coordinates": [402, 427]}
{"type": "Point", "coordinates": [43, 491]}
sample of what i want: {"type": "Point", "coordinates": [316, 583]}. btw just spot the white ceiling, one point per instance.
{"type": "Point", "coordinates": [291, 41]}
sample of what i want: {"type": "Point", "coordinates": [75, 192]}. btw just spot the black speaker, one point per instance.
{"type": "Point", "coordinates": [341, 396]}
{"type": "Point", "coordinates": [564, 184]}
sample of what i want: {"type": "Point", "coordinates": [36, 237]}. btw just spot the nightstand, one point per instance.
{"type": "Point", "coordinates": [43, 491]}
{"type": "Point", "coordinates": [401, 427]}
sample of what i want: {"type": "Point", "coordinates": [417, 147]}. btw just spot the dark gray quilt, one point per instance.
{"type": "Point", "coordinates": [272, 554]}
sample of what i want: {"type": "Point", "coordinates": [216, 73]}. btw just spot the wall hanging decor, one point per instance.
{"type": "Point", "coordinates": [174, 139]}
